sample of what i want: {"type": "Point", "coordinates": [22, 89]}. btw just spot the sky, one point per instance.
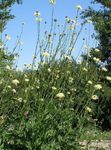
{"type": "Point", "coordinates": [25, 13]}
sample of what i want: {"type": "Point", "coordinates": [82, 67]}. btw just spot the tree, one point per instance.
{"type": "Point", "coordinates": [101, 19]}
{"type": "Point", "coordinates": [102, 24]}
{"type": "Point", "coordinates": [5, 9]}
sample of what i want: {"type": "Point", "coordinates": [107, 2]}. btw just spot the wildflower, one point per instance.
{"type": "Point", "coordinates": [98, 86]}
{"type": "Point", "coordinates": [13, 90]}
{"type": "Point", "coordinates": [1, 46]}
{"type": "Point", "coordinates": [8, 67]}
{"type": "Point", "coordinates": [49, 70]}
{"type": "Point", "coordinates": [85, 69]}
{"type": "Point", "coordinates": [67, 57]}
{"type": "Point", "coordinates": [89, 21]}
{"type": "Point", "coordinates": [19, 99]}
{"type": "Point", "coordinates": [15, 81]}
{"type": "Point", "coordinates": [104, 69]}
{"type": "Point", "coordinates": [26, 80]}
{"type": "Point", "coordinates": [96, 59]}
{"type": "Point", "coordinates": [9, 87]}
{"type": "Point", "coordinates": [97, 50]}
{"type": "Point", "coordinates": [79, 7]}
{"type": "Point", "coordinates": [46, 54]}
{"type": "Point", "coordinates": [8, 37]}
{"type": "Point", "coordinates": [60, 95]}
{"type": "Point", "coordinates": [37, 14]}
{"type": "Point", "coordinates": [108, 78]}
{"type": "Point", "coordinates": [68, 93]}
{"type": "Point", "coordinates": [88, 109]}
{"type": "Point", "coordinates": [94, 97]}
{"type": "Point", "coordinates": [38, 19]}
{"type": "Point", "coordinates": [89, 82]}
{"type": "Point", "coordinates": [54, 88]}
{"type": "Point", "coordinates": [52, 2]}
{"type": "Point", "coordinates": [70, 79]}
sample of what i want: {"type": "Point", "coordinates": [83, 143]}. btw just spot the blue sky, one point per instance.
{"type": "Point", "coordinates": [25, 13]}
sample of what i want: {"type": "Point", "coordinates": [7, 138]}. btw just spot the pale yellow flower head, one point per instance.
{"type": "Point", "coordinates": [94, 97]}
{"type": "Point", "coordinates": [96, 59]}
{"type": "Point", "coordinates": [54, 88]}
{"type": "Point", "coordinates": [98, 86]}
{"type": "Point", "coordinates": [89, 82]}
{"type": "Point", "coordinates": [52, 2]}
{"type": "Point", "coordinates": [15, 81]}
{"type": "Point", "coordinates": [8, 67]}
{"type": "Point", "coordinates": [26, 80]}
{"type": "Point", "coordinates": [79, 7]}
{"type": "Point", "coordinates": [46, 54]}
{"type": "Point", "coordinates": [8, 37]}
{"type": "Point", "coordinates": [104, 69]}
{"type": "Point", "coordinates": [108, 78]}
{"type": "Point", "coordinates": [60, 95]}
{"type": "Point", "coordinates": [88, 109]}
{"type": "Point", "coordinates": [37, 13]}
{"type": "Point", "coordinates": [13, 90]}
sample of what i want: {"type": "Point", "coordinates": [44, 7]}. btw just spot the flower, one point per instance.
{"type": "Point", "coordinates": [67, 57]}
{"type": "Point", "coordinates": [94, 97]}
{"type": "Point", "coordinates": [13, 90]}
{"type": "Point", "coordinates": [26, 80]}
{"type": "Point", "coordinates": [79, 7]}
{"type": "Point", "coordinates": [37, 13]}
{"type": "Point", "coordinates": [1, 46]}
{"type": "Point", "coordinates": [54, 88]}
{"type": "Point", "coordinates": [60, 95]}
{"type": "Point", "coordinates": [8, 37]}
{"type": "Point", "coordinates": [85, 69]}
{"type": "Point", "coordinates": [108, 78]}
{"type": "Point", "coordinates": [89, 82]}
{"type": "Point", "coordinates": [98, 86]}
{"type": "Point", "coordinates": [96, 59]}
{"type": "Point", "coordinates": [38, 19]}
{"type": "Point", "coordinates": [88, 109]}
{"type": "Point", "coordinates": [52, 2]}
{"type": "Point", "coordinates": [9, 87]}
{"type": "Point", "coordinates": [104, 69]}
{"type": "Point", "coordinates": [89, 21]}
{"type": "Point", "coordinates": [97, 50]}
{"type": "Point", "coordinates": [49, 70]}
{"type": "Point", "coordinates": [8, 67]}
{"type": "Point", "coordinates": [15, 81]}
{"type": "Point", "coordinates": [46, 54]}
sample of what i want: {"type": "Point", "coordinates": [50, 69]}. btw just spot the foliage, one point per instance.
{"type": "Point", "coordinates": [101, 56]}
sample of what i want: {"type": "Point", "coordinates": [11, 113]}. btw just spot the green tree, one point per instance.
{"type": "Point", "coordinates": [5, 12]}
{"type": "Point", "coordinates": [101, 19]}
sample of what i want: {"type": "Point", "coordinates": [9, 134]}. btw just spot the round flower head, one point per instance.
{"type": "Point", "coordinates": [97, 50]}
{"type": "Point", "coordinates": [8, 37]}
{"type": "Point", "coordinates": [60, 95]}
{"type": "Point", "coordinates": [37, 14]}
{"type": "Point", "coordinates": [79, 7]}
{"type": "Point", "coordinates": [94, 97]}
{"type": "Point", "coordinates": [26, 80]}
{"type": "Point", "coordinates": [104, 69]}
{"type": "Point", "coordinates": [108, 78]}
{"type": "Point", "coordinates": [52, 2]}
{"type": "Point", "coordinates": [8, 67]}
{"type": "Point", "coordinates": [46, 54]}
{"type": "Point", "coordinates": [88, 109]}
{"type": "Point", "coordinates": [15, 81]}
{"type": "Point", "coordinates": [89, 82]}
{"type": "Point", "coordinates": [96, 59]}
{"type": "Point", "coordinates": [98, 86]}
